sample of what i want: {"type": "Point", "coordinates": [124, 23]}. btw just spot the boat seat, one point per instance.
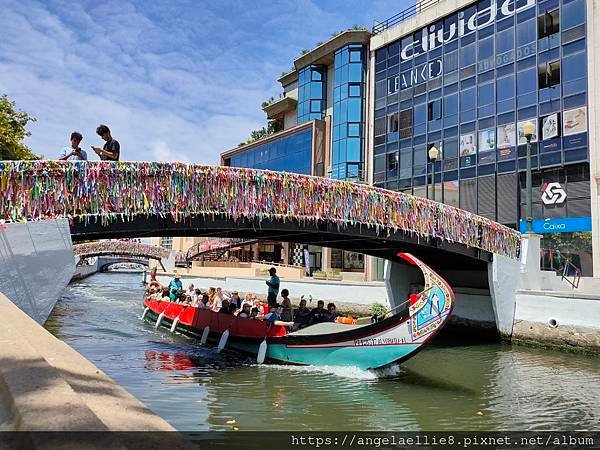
{"type": "Point", "coordinates": [325, 328]}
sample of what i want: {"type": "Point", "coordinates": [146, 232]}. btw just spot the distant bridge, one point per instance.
{"type": "Point", "coordinates": [120, 248]}
{"type": "Point", "coordinates": [136, 199]}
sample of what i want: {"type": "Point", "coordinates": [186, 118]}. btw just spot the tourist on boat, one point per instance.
{"type": "Point", "coordinates": [232, 308]}
{"type": "Point", "coordinates": [204, 303]}
{"type": "Point", "coordinates": [317, 315]}
{"type": "Point", "coordinates": [153, 274]}
{"type": "Point", "coordinates": [166, 294]}
{"type": "Point", "coordinates": [112, 149]}
{"type": "Point", "coordinates": [246, 311]}
{"type": "Point", "coordinates": [332, 313]}
{"type": "Point", "coordinates": [273, 290]}
{"type": "Point", "coordinates": [274, 318]}
{"type": "Point", "coordinates": [287, 313]}
{"type": "Point", "coordinates": [212, 295]}
{"type": "Point", "coordinates": [302, 315]}
{"type": "Point", "coordinates": [175, 286]}
{"type": "Point", "coordinates": [191, 292]}
{"type": "Point", "coordinates": [224, 307]}
{"type": "Point", "coordinates": [235, 298]}
{"type": "Point", "coordinates": [73, 151]}
{"type": "Point", "coordinates": [255, 313]}
{"type": "Point", "coordinates": [248, 299]}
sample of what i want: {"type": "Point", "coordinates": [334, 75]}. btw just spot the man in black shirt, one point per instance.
{"type": "Point", "coordinates": [111, 150]}
{"type": "Point", "coordinates": [317, 315]}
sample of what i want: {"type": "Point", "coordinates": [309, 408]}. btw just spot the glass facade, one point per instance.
{"type": "Point", "coordinates": [347, 155]}
{"type": "Point", "coordinates": [291, 153]}
{"type": "Point", "coordinates": [467, 84]}
{"type": "Point", "coordinates": [312, 93]}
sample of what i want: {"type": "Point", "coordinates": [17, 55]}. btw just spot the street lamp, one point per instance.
{"type": "Point", "coordinates": [528, 131]}
{"type": "Point", "coordinates": [434, 153]}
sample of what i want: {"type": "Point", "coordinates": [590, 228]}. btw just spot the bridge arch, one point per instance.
{"type": "Point", "coordinates": [104, 200]}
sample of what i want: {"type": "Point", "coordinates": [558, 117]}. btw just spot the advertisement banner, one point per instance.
{"type": "Point", "coordinates": [575, 121]}
{"type": "Point", "coordinates": [467, 144]}
{"type": "Point", "coordinates": [506, 136]}
{"type": "Point", "coordinates": [550, 126]}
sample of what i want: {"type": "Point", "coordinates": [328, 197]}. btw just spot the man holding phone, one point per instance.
{"type": "Point", "coordinates": [73, 152]}
{"type": "Point", "coordinates": [111, 150]}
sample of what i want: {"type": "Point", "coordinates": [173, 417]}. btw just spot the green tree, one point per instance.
{"type": "Point", "coordinates": [12, 131]}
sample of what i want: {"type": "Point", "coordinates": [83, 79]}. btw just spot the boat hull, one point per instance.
{"type": "Point", "coordinates": [372, 346]}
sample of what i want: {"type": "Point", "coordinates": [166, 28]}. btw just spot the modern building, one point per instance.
{"type": "Point", "coordinates": [464, 77]}
{"type": "Point", "coordinates": [322, 114]}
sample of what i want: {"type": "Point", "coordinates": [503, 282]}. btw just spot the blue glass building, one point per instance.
{"type": "Point", "coordinates": [467, 84]}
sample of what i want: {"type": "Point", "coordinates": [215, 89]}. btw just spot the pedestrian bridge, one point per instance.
{"type": "Point", "coordinates": [130, 249]}
{"type": "Point", "coordinates": [136, 199]}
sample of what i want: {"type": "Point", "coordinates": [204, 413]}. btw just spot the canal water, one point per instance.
{"type": "Point", "coordinates": [449, 386]}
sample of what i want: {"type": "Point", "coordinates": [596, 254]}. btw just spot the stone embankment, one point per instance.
{"type": "Point", "coordinates": [45, 385]}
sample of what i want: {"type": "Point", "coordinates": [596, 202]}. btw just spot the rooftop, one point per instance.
{"type": "Point", "coordinates": [323, 54]}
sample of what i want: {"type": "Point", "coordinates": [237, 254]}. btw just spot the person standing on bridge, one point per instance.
{"type": "Point", "coordinates": [73, 152]}
{"type": "Point", "coordinates": [112, 149]}
{"type": "Point", "coordinates": [273, 291]}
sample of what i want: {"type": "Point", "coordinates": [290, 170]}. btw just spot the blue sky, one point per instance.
{"type": "Point", "coordinates": [174, 80]}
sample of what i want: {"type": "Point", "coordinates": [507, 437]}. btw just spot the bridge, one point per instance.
{"type": "Point", "coordinates": [135, 199]}
{"type": "Point", "coordinates": [113, 252]}
{"type": "Point", "coordinates": [120, 248]}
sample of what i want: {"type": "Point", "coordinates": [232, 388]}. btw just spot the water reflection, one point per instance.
{"type": "Point", "coordinates": [445, 387]}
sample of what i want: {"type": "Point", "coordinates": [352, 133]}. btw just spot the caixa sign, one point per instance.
{"type": "Point", "coordinates": [553, 194]}
{"type": "Point", "coordinates": [431, 38]}
{"type": "Point", "coordinates": [560, 225]}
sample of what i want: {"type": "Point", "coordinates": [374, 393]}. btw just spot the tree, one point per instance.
{"type": "Point", "coordinates": [12, 131]}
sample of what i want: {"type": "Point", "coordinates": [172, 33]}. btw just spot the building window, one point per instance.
{"type": "Point", "coordinates": [354, 90]}
{"type": "Point", "coordinates": [434, 110]}
{"type": "Point", "coordinates": [392, 161]}
{"type": "Point", "coordinates": [166, 242]}
{"type": "Point", "coordinates": [393, 124]}
{"type": "Point", "coordinates": [548, 23]}
{"type": "Point", "coordinates": [549, 74]}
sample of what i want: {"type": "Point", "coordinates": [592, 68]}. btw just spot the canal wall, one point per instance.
{"type": "Point", "coordinates": [45, 385]}
{"type": "Point", "coordinates": [86, 270]}
{"type": "Point", "coordinates": [36, 264]}
{"type": "Point", "coordinates": [536, 307]}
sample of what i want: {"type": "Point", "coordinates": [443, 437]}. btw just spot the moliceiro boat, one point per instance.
{"type": "Point", "coordinates": [396, 337]}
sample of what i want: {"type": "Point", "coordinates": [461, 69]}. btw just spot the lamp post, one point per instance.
{"type": "Point", "coordinates": [433, 153]}
{"type": "Point", "coordinates": [528, 131]}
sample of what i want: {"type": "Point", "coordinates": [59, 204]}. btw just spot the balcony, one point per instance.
{"type": "Point", "coordinates": [278, 108]}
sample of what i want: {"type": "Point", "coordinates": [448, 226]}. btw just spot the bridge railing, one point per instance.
{"type": "Point", "coordinates": [105, 192]}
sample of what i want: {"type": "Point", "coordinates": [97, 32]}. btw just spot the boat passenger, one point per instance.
{"type": "Point", "coordinates": [248, 299]}
{"type": "Point", "coordinates": [287, 313]}
{"type": "Point", "coordinates": [235, 298]}
{"type": "Point", "coordinates": [153, 274]}
{"type": "Point", "coordinates": [274, 318]}
{"type": "Point", "coordinates": [166, 295]}
{"type": "Point", "coordinates": [232, 308]}
{"type": "Point", "coordinates": [273, 290]}
{"type": "Point", "coordinates": [175, 286]}
{"type": "Point", "coordinates": [224, 307]}
{"type": "Point", "coordinates": [212, 297]}
{"type": "Point", "coordinates": [255, 313]}
{"type": "Point", "coordinates": [331, 313]}
{"type": "Point", "coordinates": [317, 315]}
{"type": "Point", "coordinates": [221, 295]}
{"type": "Point", "coordinates": [191, 292]}
{"type": "Point", "coordinates": [302, 315]}
{"type": "Point", "coordinates": [246, 311]}
{"type": "Point", "coordinates": [204, 303]}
